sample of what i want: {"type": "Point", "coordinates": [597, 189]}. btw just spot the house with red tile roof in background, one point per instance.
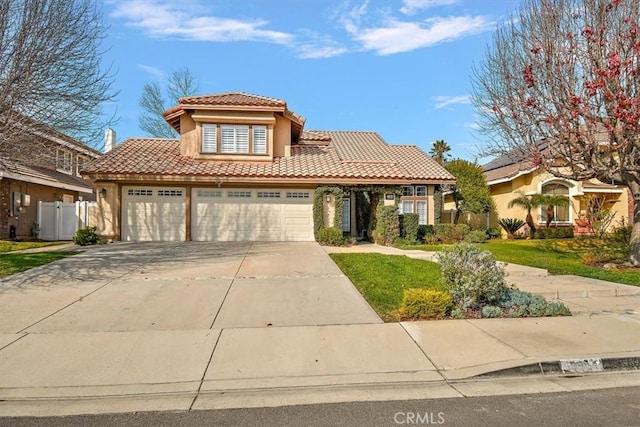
{"type": "Point", "coordinates": [244, 168]}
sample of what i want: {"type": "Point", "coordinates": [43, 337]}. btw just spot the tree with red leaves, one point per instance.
{"type": "Point", "coordinates": [560, 86]}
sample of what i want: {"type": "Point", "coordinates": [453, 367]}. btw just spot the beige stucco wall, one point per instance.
{"type": "Point", "coordinates": [282, 137]}
{"type": "Point", "coordinates": [108, 211]}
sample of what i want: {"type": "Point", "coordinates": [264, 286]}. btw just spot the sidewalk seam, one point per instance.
{"type": "Point", "coordinates": [204, 373]}
{"type": "Point", "coordinates": [226, 294]}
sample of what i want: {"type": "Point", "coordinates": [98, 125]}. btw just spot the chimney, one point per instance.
{"type": "Point", "coordinates": [109, 140]}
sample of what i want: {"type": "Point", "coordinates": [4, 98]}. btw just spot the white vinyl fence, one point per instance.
{"type": "Point", "coordinates": [60, 221]}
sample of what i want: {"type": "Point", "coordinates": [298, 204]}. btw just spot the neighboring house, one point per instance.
{"type": "Point", "coordinates": [244, 168]}
{"type": "Point", "coordinates": [40, 166]}
{"type": "Point", "coordinates": [506, 178]}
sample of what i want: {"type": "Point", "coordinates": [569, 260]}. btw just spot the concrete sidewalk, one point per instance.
{"type": "Point", "coordinates": [57, 362]}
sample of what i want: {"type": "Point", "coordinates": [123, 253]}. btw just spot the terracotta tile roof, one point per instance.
{"type": "Point", "coordinates": [337, 160]}
{"type": "Point", "coordinates": [233, 98]}
{"type": "Point", "coordinates": [508, 171]}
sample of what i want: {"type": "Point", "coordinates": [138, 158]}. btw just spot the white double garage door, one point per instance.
{"type": "Point", "coordinates": [217, 214]}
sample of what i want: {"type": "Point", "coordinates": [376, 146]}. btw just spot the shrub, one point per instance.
{"type": "Point", "coordinates": [409, 226]}
{"type": "Point", "coordinates": [622, 233]}
{"type": "Point", "coordinates": [419, 303]}
{"type": "Point", "coordinates": [331, 236]}
{"type": "Point", "coordinates": [556, 308]}
{"type": "Point", "coordinates": [525, 304]}
{"type": "Point", "coordinates": [553, 233]}
{"type": "Point", "coordinates": [490, 311]}
{"type": "Point", "coordinates": [450, 233]}
{"type": "Point", "coordinates": [387, 226]}
{"type": "Point", "coordinates": [472, 276]}
{"type": "Point", "coordinates": [511, 225]}
{"type": "Point", "coordinates": [476, 236]}
{"type": "Point", "coordinates": [456, 313]}
{"type": "Point", "coordinates": [424, 231]}
{"type": "Point", "coordinates": [86, 236]}
{"type": "Point", "coordinates": [493, 232]}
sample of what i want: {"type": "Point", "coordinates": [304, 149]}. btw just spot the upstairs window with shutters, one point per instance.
{"type": "Point", "coordinates": [209, 138]}
{"type": "Point", "coordinates": [234, 139]}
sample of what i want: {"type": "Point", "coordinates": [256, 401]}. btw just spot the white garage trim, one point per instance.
{"type": "Point", "coordinates": [153, 213]}
{"type": "Point", "coordinates": [245, 214]}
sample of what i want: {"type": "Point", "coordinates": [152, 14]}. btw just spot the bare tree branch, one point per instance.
{"type": "Point", "coordinates": [153, 103]}
{"type": "Point", "coordinates": [50, 69]}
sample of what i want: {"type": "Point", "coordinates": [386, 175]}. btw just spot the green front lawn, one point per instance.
{"type": "Point", "coordinates": [561, 256]}
{"type": "Point", "coordinates": [9, 246]}
{"type": "Point", "coordinates": [15, 263]}
{"type": "Point", "coordinates": [382, 279]}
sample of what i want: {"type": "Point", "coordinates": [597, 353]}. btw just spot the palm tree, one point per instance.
{"type": "Point", "coordinates": [528, 202]}
{"type": "Point", "coordinates": [439, 151]}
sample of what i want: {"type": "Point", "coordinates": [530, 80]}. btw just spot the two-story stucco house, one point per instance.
{"type": "Point", "coordinates": [244, 168]}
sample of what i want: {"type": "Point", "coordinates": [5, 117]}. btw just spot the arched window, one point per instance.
{"type": "Point", "coordinates": [560, 212]}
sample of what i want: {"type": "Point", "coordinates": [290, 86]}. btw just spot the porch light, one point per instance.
{"type": "Point", "coordinates": [328, 197]}
{"type": "Point", "coordinates": [103, 192]}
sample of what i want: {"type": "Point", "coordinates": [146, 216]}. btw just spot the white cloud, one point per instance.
{"type": "Point", "coordinates": [316, 45]}
{"type": "Point", "coordinates": [163, 19]}
{"type": "Point", "coordinates": [409, 7]}
{"type": "Point", "coordinates": [154, 71]}
{"type": "Point", "coordinates": [396, 36]}
{"type": "Point", "coordinates": [314, 51]}
{"type": "Point", "coordinates": [445, 101]}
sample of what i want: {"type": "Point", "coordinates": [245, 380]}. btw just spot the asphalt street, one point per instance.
{"type": "Point", "coordinates": [607, 407]}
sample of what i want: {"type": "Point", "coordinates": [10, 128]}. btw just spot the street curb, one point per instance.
{"type": "Point", "coordinates": [569, 366]}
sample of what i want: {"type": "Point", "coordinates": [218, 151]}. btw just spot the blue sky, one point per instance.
{"type": "Point", "coordinates": [398, 67]}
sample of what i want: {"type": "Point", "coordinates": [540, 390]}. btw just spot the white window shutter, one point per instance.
{"type": "Point", "coordinates": [209, 140]}
{"type": "Point", "coordinates": [242, 139]}
{"type": "Point", "coordinates": [227, 139]}
{"type": "Point", "coordinates": [260, 139]}
{"type": "Point", "coordinates": [422, 213]}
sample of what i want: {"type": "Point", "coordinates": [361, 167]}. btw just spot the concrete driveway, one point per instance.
{"type": "Point", "coordinates": [182, 286]}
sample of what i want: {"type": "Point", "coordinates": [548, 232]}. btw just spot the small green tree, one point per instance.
{"type": "Point", "coordinates": [470, 192]}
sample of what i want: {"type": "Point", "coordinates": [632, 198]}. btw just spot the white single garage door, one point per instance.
{"type": "Point", "coordinates": [252, 214]}
{"type": "Point", "coordinates": [153, 213]}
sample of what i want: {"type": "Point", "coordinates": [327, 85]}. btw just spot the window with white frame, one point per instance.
{"type": "Point", "coordinates": [558, 212]}
{"type": "Point", "coordinates": [407, 191]}
{"type": "Point", "coordinates": [346, 215]}
{"type": "Point", "coordinates": [422, 212]}
{"type": "Point", "coordinates": [64, 161]}
{"type": "Point", "coordinates": [239, 194]}
{"type": "Point", "coordinates": [209, 138]}
{"type": "Point", "coordinates": [421, 191]}
{"type": "Point", "coordinates": [234, 139]}
{"type": "Point", "coordinates": [405, 207]}
{"type": "Point", "coordinates": [259, 138]}
{"type": "Point", "coordinates": [298, 195]}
